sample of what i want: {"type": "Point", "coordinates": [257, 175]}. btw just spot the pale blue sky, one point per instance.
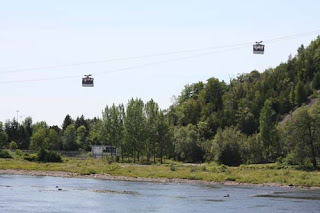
{"type": "Point", "coordinates": [48, 33]}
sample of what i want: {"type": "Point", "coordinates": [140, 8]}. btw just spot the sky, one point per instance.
{"type": "Point", "coordinates": [135, 49]}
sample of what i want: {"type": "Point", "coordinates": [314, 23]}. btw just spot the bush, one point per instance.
{"type": "Point", "coordinates": [172, 168]}
{"type": "Point", "coordinates": [13, 145]}
{"type": "Point", "coordinates": [53, 157]}
{"type": "Point", "coordinates": [289, 160]}
{"type": "Point", "coordinates": [48, 156]}
{"type": "Point", "coordinates": [31, 157]}
{"type": "Point", "coordinates": [19, 152]}
{"type": "Point", "coordinates": [5, 154]}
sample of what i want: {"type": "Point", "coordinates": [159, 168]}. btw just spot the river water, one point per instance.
{"type": "Point", "coordinates": [20, 193]}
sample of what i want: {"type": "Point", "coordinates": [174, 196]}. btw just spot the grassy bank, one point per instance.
{"type": "Point", "coordinates": [253, 174]}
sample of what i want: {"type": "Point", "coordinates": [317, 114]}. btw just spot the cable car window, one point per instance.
{"type": "Point", "coordinates": [258, 48]}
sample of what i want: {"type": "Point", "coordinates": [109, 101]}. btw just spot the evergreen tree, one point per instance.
{"type": "Point", "coordinates": [67, 121]}
{"type": "Point", "coordinates": [300, 94]}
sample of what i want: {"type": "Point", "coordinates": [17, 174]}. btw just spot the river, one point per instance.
{"type": "Point", "coordinates": [19, 193]}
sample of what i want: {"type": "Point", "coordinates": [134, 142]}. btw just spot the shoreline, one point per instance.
{"type": "Point", "coordinates": [142, 179]}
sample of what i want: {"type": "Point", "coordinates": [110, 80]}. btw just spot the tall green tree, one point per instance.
{"type": "Point", "coordinates": [3, 137]}
{"type": "Point", "coordinates": [54, 140]}
{"type": "Point", "coordinates": [39, 140]}
{"type": "Point", "coordinates": [69, 138]}
{"type": "Point", "coordinates": [82, 137]}
{"type": "Point", "coordinates": [300, 94]}
{"type": "Point", "coordinates": [163, 136]}
{"type": "Point", "coordinates": [66, 122]}
{"type": "Point", "coordinates": [267, 128]}
{"type": "Point", "coordinates": [303, 135]}
{"type": "Point", "coordinates": [134, 127]}
{"type": "Point", "coordinates": [152, 115]}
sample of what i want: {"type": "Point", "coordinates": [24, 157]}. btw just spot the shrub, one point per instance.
{"type": "Point", "coordinates": [13, 145]}
{"type": "Point", "coordinates": [172, 168]}
{"type": "Point", "coordinates": [48, 156]}
{"type": "Point", "coordinates": [5, 154]}
{"type": "Point", "coordinates": [31, 157]}
{"type": "Point", "coordinates": [53, 157]}
{"type": "Point", "coordinates": [19, 152]}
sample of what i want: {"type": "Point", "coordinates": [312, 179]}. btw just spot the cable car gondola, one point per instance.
{"type": "Point", "coordinates": [87, 81]}
{"type": "Point", "coordinates": [258, 48]}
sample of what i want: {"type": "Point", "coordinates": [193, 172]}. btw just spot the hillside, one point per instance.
{"type": "Point", "coordinates": [249, 106]}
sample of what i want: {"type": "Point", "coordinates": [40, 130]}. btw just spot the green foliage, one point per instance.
{"type": "Point", "coordinates": [186, 144]}
{"type": "Point", "coordinates": [67, 121]}
{"type": "Point", "coordinates": [300, 94]}
{"type": "Point", "coordinates": [69, 138]}
{"type": "Point", "coordinates": [13, 145]}
{"type": "Point", "coordinates": [249, 106]}
{"type": "Point", "coordinates": [18, 152]}
{"type": "Point", "coordinates": [3, 136]}
{"type": "Point", "coordinates": [134, 128]}
{"type": "Point", "coordinates": [53, 140]}
{"type": "Point", "coordinates": [112, 125]}
{"type": "Point", "coordinates": [38, 139]}
{"type": "Point", "coordinates": [82, 137]}
{"type": "Point", "coordinates": [5, 154]}
{"type": "Point", "coordinates": [48, 156]}
{"type": "Point", "coordinates": [172, 168]}
{"type": "Point", "coordinates": [316, 81]}
{"type": "Point", "coordinates": [227, 146]}
{"type": "Point", "coordinates": [252, 150]}
{"type": "Point", "coordinates": [302, 135]}
{"type": "Point", "coordinates": [31, 157]}
{"type": "Point", "coordinates": [268, 131]}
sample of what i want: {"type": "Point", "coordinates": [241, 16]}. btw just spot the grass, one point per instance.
{"type": "Point", "coordinates": [254, 174]}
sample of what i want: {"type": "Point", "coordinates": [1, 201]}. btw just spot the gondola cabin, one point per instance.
{"type": "Point", "coordinates": [87, 81]}
{"type": "Point", "coordinates": [258, 48]}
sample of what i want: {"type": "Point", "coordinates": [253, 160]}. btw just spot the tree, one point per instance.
{"type": "Point", "coordinates": [134, 127]}
{"type": "Point", "coordinates": [292, 98]}
{"type": "Point", "coordinates": [3, 137]}
{"type": "Point", "coordinates": [38, 140]}
{"type": "Point", "coordinates": [267, 127]}
{"type": "Point", "coordinates": [69, 138]}
{"type": "Point", "coordinates": [163, 135]}
{"type": "Point", "coordinates": [67, 121]}
{"type": "Point", "coordinates": [82, 137]}
{"type": "Point", "coordinates": [303, 135]}
{"type": "Point", "coordinates": [316, 81]}
{"type": "Point", "coordinates": [186, 144]}
{"type": "Point", "coordinates": [80, 121]}
{"type": "Point", "coordinates": [13, 145]}
{"type": "Point", "coordinates": [94, 136]}
{"type": "Point", "coordinates": [152, 114]}
{"type": "Point", "coordinates": [227, 146]}
{"type": "Point", "coordinates": [300, 94]}
{"type": "Point", "coordinates": [54, 140]}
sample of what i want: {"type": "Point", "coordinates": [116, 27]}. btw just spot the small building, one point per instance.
{"type": "Point", "coordinates": [99, 151]}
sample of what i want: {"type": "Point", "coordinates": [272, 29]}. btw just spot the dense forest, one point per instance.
{"type": "Point", "coordinates": [242, 121]}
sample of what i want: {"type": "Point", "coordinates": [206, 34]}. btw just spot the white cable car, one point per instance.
{"type": "Point", "coordinates": [258, 48]}
{"type": "Point", "coordinates": [87, 81]}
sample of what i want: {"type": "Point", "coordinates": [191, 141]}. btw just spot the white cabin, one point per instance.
{"type": "Point", "coordinates": [103, 150]}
